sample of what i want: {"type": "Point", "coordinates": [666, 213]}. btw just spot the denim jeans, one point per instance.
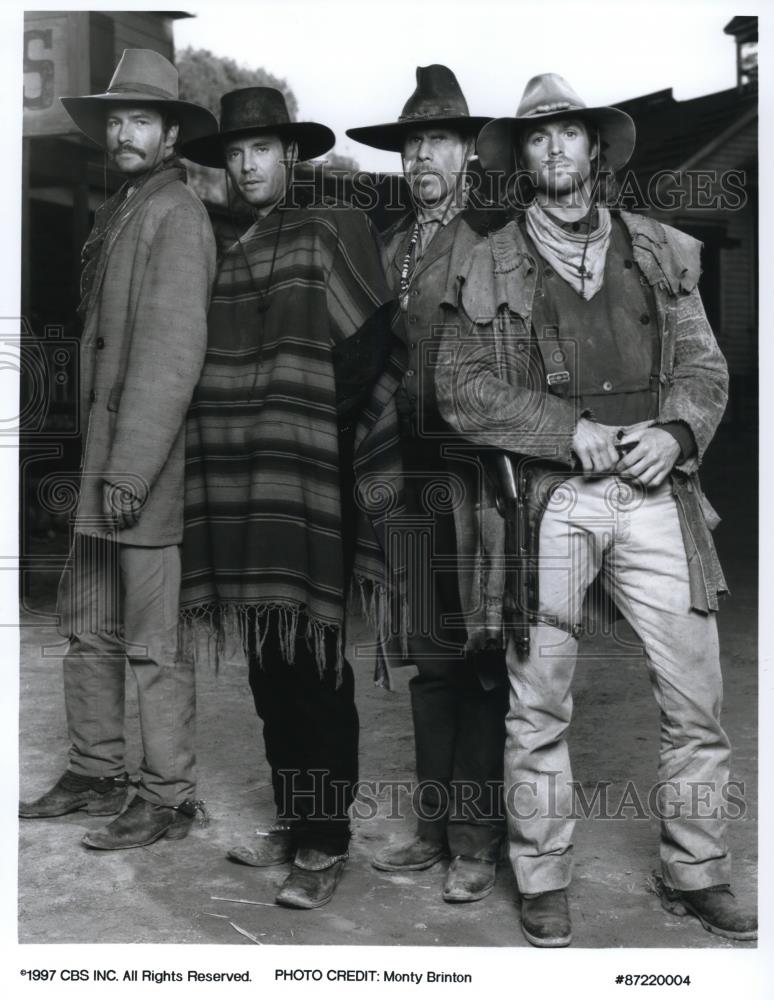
{"type": "Point", "coordinates": [119, 603]}
{"type": "Point", "coordinates": [632, 537]}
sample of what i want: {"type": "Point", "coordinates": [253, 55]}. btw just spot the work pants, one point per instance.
{"type": "Point", "coordinates": [119, 603]}
{"type": "Point", "coordinates": [632, 537]}
{"type": "Point", "coordinates": [458, 714]}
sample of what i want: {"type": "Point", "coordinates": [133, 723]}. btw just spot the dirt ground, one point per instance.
{"type": "Point", "coordinates": [166, 892]}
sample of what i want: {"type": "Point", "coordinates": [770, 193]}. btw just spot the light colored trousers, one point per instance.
{"type": "Point", "coordinates": [119, 603]}
{"type": "Point", "coordinates": [633, 537]}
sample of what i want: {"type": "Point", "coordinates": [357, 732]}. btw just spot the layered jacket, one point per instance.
{"type": "Point", "coordinates": [493, 387]}
{"type": "Point", "coordinates": [424, 315]}
{"type": "Point", "coordinates": [142, 351]}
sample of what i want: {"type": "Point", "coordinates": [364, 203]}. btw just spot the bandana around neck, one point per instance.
{"type": "Point", "coordinates": [579, 258]}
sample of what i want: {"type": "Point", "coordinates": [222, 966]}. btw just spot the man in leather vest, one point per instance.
{"type": "Point", "coordinates": [585, 355]}
{"type": "Point", "coordinates": [149, 264]}
{"type": "Point", "coordinates": [458, 702]}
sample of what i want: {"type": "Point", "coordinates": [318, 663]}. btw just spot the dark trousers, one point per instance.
{"type": "Point", "coordinates": [458, 712]}
{"type": "Point", "coordinates": [459, 734]}
{"type": "Point", "coordinates": [311, 730]}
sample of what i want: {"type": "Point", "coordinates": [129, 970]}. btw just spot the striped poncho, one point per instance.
{"type": "Point", "coordinates": [299, 346]}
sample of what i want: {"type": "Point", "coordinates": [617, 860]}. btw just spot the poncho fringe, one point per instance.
{"type": "Point", "coordinates": [213, 634]}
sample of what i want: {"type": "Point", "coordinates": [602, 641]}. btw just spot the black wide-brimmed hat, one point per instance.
{"type": "Point", "coordinates": [548, 97]}
{"type": "Point", "coordinates": [256, 111]}
{"type": "Point", "coordinates": [437, 100]}
{"type": "Point", "coordinates": [142, 78]}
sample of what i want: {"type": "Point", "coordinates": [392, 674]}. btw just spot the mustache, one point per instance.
{"type": "Point", "coordinates": [127, 147]}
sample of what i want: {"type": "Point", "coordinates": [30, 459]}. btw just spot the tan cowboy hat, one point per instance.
{"type": "Point", "coordinates": [437, 100]}
{"type": "Point", "coordinates": [547, 97]}
{"type": "Point", "coordinates": [258, 110]}
{"type": "Point", "coordinates": [142, 78]}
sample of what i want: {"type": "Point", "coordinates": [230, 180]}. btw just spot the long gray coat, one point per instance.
{"type": "Point", "coordinates": [142, 352]}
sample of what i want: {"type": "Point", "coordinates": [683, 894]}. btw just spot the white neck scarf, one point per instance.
{"type": "Point", "coordinates": [579, 258]}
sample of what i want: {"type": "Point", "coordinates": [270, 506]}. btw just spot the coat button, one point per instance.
{"type": "Point", "coordinates": [547, 272]}
{"type": "Point", "coordinates": [607, 386]}
{"type": "Point", "coordinates": [412, 319]}
{"type": "Point", "coordinates": [628, 265]}
{"type": "Point", "coordinates": [100, 343]}
{"type": "Point", "coordinates": [410, 372]}
{"type": "Point", "coordinates": [644, 319]}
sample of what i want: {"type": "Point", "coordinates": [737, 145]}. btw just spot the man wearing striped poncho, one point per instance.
{"type": "Point", "coordinates": [294, 403]}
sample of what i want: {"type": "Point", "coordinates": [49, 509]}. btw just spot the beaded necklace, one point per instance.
{"type": "Point", "coordinates": [404, 278]}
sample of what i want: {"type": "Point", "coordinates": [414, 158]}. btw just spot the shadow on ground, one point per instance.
{"type": "Point", "coordinates": [165, 892]}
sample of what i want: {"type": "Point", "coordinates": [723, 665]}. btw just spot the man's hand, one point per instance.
{"type": "Point", "coordinates": [652, 458]}
{"type": "Point", "coordinates": [594, 444]}
{"type": "Point", "coordinates": [121, 504]}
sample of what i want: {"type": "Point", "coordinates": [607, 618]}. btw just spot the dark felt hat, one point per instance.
{"type": "Point", "coordinates": [437, 100]}
{"type": "Point", "coordinates": [143, 78]}
{"type": "Point", "coordinates": [256, 111]}
{"type": "Point", "coordinates": [546, 98]}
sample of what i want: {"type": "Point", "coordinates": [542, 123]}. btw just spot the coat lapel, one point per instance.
{"type": "Point", "coordinates": [396, 245]}
{"type": "Point", "coordinates": [440, 245]}
{"type": "Point", "coordinates": [133, 202]}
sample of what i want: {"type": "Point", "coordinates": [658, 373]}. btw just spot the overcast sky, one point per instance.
{"type": "Point", "coordinates": [353, 63]}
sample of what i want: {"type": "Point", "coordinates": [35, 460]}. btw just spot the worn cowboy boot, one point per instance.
{"type": "Point", "coordinates": [545, 919]}
{"type": "Point", "coordinates": [414, 855]}
{"type": "Point", "coordinates": [716, 908]}
{"type": "Point", "coordinates": [313, 878]}
{"type": "Point", "coordinates": [273, 847]}
{"type": "Point", "coordinates": [143, 822]}
{"type": "Point", "coordinates": [98, 796]}
{"type": "Point", "coordinates": [468, 879]}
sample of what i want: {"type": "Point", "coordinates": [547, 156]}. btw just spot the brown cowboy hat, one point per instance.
{"type": "Point", "coordinates": [142, 78]}
{"type": "Point", "coordinates": [546, 98]}
{"type": "Point", "coordinates": [437, 100]}
{"type": "Point", "coordinates": [256, 111]}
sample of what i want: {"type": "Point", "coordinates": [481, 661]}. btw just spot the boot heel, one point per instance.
{"type": "Point", "coordinates": [179, 830]}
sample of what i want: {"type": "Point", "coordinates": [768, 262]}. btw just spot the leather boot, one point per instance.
{"type": "Point", "coordinates": [716, 907]}
{"type": "Point", "coordinates": [98, 796]}
{"type": "Point", "coordinates": [413, 856]}
{"type": "Point", "coordinates": [468, 879]}
{"type": "Point", "coordinates": [545, 919]}
{"type": "Point", "coordinates": [313, 878]}
{"type": "Point", "coordinates": [142, 823]}
{"type": "Point", "coordinates": [274, 847]}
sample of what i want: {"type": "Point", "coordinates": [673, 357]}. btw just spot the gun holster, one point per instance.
{"type": "Point", "coordinates": [511, 482]}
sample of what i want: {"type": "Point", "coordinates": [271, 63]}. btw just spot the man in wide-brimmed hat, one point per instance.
{"type": "Point", "coordinates": [459, 694]}
{"type": "Point", "coordinates": [296, 389]}
{"type": "Point", "coordinates": [586, 356]}
{"type": "Point", "coordinates": [149, 263]}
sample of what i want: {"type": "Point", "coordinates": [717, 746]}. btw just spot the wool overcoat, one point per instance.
{"type": "Point", "coordinates": [142, 351]}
